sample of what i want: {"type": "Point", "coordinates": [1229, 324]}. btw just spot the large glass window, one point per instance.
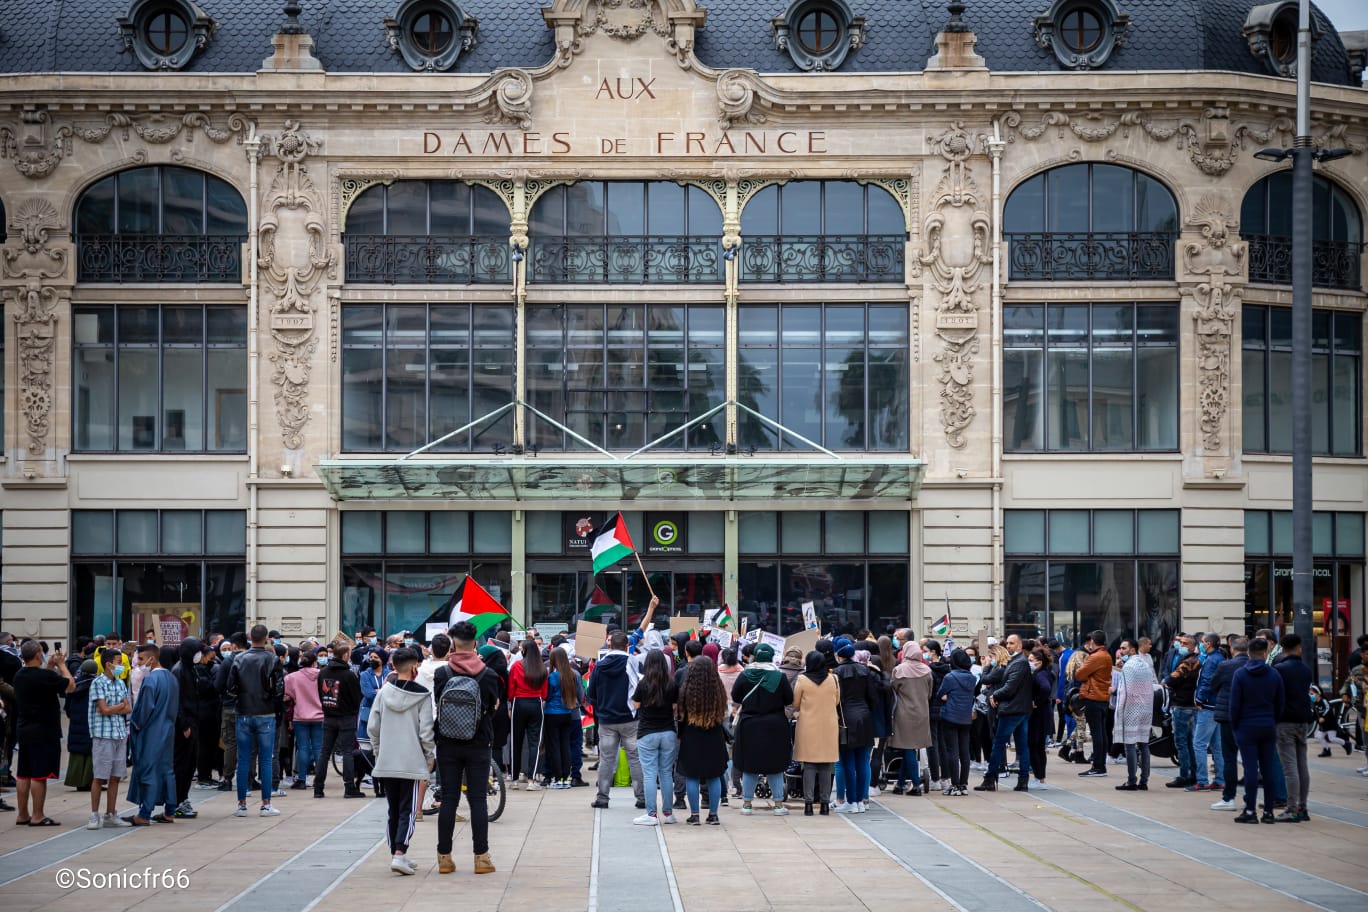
{"type": "Point", "coordinates": [1336, 381]}
{"type": "Point", "coordinates": [1336, 232]}
{"type": "Point", "coordinates": [1090, 377]}
{"type": "Point", "coordinates": [822, 231]}
{"type": "Point", "coordinates": [623, 375]}
{"type": "Point", "coordinates": [834, 373]}
{"type": "Point", "coordinates": [167, 379]}
{"type": "Point", "coordinates": [401, 567]}
{"type": "Point", "coordinates": [1090, 222]}
{"type": "Point", "coordinates": [428, 232]}
{"type": "Point", "coordinates": [1070, 572]}
{"type": "Point", "coordinates": [186, 563]}
{"type": "Point", "coordinates": [414, 373]}
{"type": "Point", "coordinates": [160, 224]}
{"type": "Point", "coordinates": [636, 232]}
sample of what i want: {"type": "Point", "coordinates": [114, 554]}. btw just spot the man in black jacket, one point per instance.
{"type": "Point", "coordinates": [256, 684]}
{"type": "Point", "coordinates": [339, 691]}
{"type": "Point", "coordinates": [1219, 697]}
{"type": "Point", "coordinates": [1013, 702]}
{"type": "Point", "coordinates": [1292, 725]}
{"type": "Point", "coordinates": [187, 724]}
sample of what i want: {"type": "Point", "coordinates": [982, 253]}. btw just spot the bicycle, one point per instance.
{"type": "Point", "coordinates": [496, 794]}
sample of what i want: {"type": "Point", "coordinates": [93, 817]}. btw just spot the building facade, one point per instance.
{"type": "Point", "coordinates": [869, 304]}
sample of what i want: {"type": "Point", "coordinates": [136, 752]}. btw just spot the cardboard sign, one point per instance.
{"type": "Point", "coordinates": [723, 638]}
{"type": "Point", "coordinates": [682, 624]}
{"type": "Point", "coordinates": [589, 637]}
{"type": "Point", "coordinates": [744, 623]}
{"type": "Point", "coordinates": [982, 640]}
{"type": "Point", "coordinates": [810, 616]}
{"type": "Point", "coordinates": [345, 640]}
{"type": "Point", "coordinates": [805, 641]}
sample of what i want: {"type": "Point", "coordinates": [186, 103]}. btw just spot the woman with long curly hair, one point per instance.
{"type": "Point", "coordinates": [702, 736]}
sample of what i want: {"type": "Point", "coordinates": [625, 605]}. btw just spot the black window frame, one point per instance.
{"type": "Point", "coordinates": [1336, 262]}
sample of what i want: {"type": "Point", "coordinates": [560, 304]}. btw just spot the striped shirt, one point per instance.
{"type": "Point", "coordinates": [113, 692]}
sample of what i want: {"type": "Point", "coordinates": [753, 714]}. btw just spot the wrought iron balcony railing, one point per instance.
{"type": "Point", "coordinates": [822, 258]}
{"type": "Point", "coordinates": [159, 258]}
{"type": "Point", "coordinates": [1066, 257]}
{"type": "Point", "coordinates": [626, 259]}
{"type": "Point", "coordinates": [1334, 264]}
{"type": "Point", "coordinates": [391, 259]}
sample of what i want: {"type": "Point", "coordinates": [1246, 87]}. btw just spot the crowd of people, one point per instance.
{"type": "Point", "coordinates": [686, 722]}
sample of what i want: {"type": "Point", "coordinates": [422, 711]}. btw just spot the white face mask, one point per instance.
{"type": "Point", "coordinates": [1035, 666]}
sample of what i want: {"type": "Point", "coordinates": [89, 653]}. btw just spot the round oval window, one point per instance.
{"type": "Point", "coordinates": [818, 31]}
{"type": "Point", "coordinates": [431, 32]}
{"type": "Point", "coordinates": [165, 31]}
{"type": "Point", "coordinates": [1081, 30]}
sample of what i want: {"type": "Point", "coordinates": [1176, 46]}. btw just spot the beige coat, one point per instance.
{"type": "Point", "coordinates": [817, 738]}
{"type": "Point", "coordinates": [911, 713]}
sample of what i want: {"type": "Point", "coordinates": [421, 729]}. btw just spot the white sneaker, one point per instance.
{"type": "Point", "coordinates": [646, 820]}
{"type": "Point", "coordinates": [533, 785]}
{"type": "Point", "coordinates": [268, 811]}
{"type": "Point", "coordinates": [844, 808]}
{"type": "Point", "coordinates": [747, 810]}
{"type": "Point", "coordinates": [114, 822]}
{"type": "Point", "coordinates": [780, 811]}
{"type": "Point", "coordinates": [94, 823]}
{"type": "Point", "coordinates": [873, 791]}
{"type": "Point", "coordinates": [400, 864]}
{"type": "Point", "coordinates": [1223, 805]}
{"type": "Point", "coordinates": [241, 811]}
{"type": "Point", "coordinates": [668, 818]}
{"type": "Point", "coordinates": [1036, 785]}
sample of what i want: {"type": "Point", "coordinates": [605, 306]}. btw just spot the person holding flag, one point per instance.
{"type": "Point", "coordinates": [942, 627]}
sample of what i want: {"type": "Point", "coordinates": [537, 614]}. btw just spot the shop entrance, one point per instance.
{"type": "Point", "coordinates": [563, 592]}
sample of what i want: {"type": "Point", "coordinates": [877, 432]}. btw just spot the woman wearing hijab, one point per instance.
{"type": "Point", "coordinates": [956, 696]}
{"type": "Point", "coordinates": [792, 667]}
{"type": "Point", "coordinates": [729, 670]}
{"type": "Point", "coordinates": [761, 695]}
{"type": "Point", "coordinates": [702, 737]}
{"type": "Point", "coordinates": [816, 742]}
{"type": "Point", "coordinates": [80, 766]}
{"type": "Point", "coordinates": [911, 716]}
{"type": "Point", "coordinates": [859, 696]}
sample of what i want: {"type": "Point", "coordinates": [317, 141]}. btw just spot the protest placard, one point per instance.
{"type": "Point", "coordinates": [682, 624]}
{"type": "Point", "coordinates": [430, 630]}
{"type": "Point", "coordinates": [775, 641]}
{"type": "Point", "coordinates": [589, 637]}
{"type": "Point", "coordinates": [805, 642]}
{"type": "Point", "coordinates": [723, 638]}
{"type": "Point", "coordinates": [810, 616]}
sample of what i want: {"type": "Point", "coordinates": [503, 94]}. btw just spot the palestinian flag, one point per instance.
{"type": "Point", "coordinates": [599, 604]}
{"type": "Point", "coordinates": [470, 602]}
{"type": "Point", "coordinates": [611, 543]}
{"type": "Point", "coordinates": [724, 617]}
{"type": "Point", "coordinates": [942, 627]}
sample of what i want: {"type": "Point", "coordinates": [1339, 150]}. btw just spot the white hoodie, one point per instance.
{"type": "Point", "coordinates": [400, 727]}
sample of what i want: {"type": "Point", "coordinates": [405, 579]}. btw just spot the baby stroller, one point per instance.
{"type": "Point", "coordinates": [1161, 740]}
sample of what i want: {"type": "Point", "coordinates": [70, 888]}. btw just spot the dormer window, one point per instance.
{"type": "Point", "coordinates": [430, 34]}
{"type": "Point", "coordinates": [1271, 32]}
{"type": "Point", "coordinates": [165, 34]}
{"type": "Point", "coordinates": [818, 34]}
{"type": "Point", "coordinates": [1081, 33]}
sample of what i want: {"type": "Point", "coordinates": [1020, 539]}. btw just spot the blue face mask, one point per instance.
{"type": "Point", "coordinates": [1183, 651]}
{"type": "Point", "coordinates": [323, 660]}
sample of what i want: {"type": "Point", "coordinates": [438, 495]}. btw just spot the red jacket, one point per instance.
{"type": "Point", "coordinates": [518, 686]}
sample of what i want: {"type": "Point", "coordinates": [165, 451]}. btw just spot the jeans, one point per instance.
{"type": "Point", "coordinates": [1258, 750]}
{"type": "Point", "coordinates": [1010, 726]}
{"type": "Point", "coordinates": [855, 769]}
{"type": "Point", "coordinates": [955, 752]}
{"type": "Point", "coordinates": [558, 729]}
{"type": "Point", "coordinates": [308, 741]}
{"type": "Point", "coordinates": [1183, 717]}
{"type": "Point", "coordinates": [611, 738]}
{"type": "Point", "coordinates": [1095, 714]}
{"type": "Point", "coordinates": [776, 782]}
{"type": "Point", "coordinates": [1207, 736]}
{"type": "Point", "coordinates": [1138, 755]}
{"type": "Point", "coordinates": [1230, 752]}
{"type": "Point", "coordinates": [910, 769]}
{"type": "Point", "coordinates": [527, 729]}
{"type": "Point", "coordinates": [1292, 753]}
{"type": "Point", "coordinates": [838, 776]}
{"type": "Point", "coordinates": [817, 782]}
{"type": "Point", "coordinates": [657, 755]}
{"type": "Point", "coordinates": [254, 732]}
{"type": "Point", "coordinates": [339, 734]}
{"type": "Point", "coordinates": [715, 790]}
{"type": "Point", "coordinates": [457, 760]}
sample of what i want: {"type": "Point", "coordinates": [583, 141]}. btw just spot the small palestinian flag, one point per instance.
{"type": "Point", "coordinates": [599, 604]}
{"type": "Point", "coordinates": [611, 543]}
{"type": "Point", "coordinates": [724, 617]}
{"type": "Point", "coordinates": [942, 627]}
{"type": "Point", "coordinates": [472, 603]}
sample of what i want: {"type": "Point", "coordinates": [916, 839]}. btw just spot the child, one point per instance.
{"type": "Point", "coordinates": [1327, 718]}
{"type": "Point", "coordinates": [400, 728]}
{"type": "Point", "coordinates": [108, 709]}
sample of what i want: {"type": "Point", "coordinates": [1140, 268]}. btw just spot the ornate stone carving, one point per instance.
{"type": "Point", "coordinates": [33, 155]}
{"type": "Point", "coordinates": [35, 331]}
{"type": "Point", "coordinates": [512, 100]}
{"type": "Point", "coordinates": [292, 278]}
{"type": "Point", "coordinates": [1219, 257]}
{"type": "Point", "coordinates": [33, 220]}
{"type": "Point", "coordinates": [625, 20]}
{"type": "Point", "coordinates": [350, 186]}
{"type": "Point", "coordinates": [736, 94]}
{"type": "Point", "coordinates": [957, 248]}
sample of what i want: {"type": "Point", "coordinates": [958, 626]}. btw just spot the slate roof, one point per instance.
{"type": "Point", "coordinates": [38, 36]}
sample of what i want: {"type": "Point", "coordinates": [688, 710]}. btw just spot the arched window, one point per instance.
{"type": "Point", "coordinates": [428, 233]}
{"type": "Point", "coordinates": [1336, 233]}
{"type": "Point", "coordinates": [822, 231]}
{"type": "Point", "coordinates": [1090, 222]}
{"type": "Point", "coordinates": [160, 224]}
{"type": "Point", "coordinates": [634, 232]}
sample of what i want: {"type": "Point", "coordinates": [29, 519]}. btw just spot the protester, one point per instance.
{"type": "Point", "coordinates": [401, 728]}
{"type": "Point", "coordinates": [228, 651]}
{"type": "Point", "coordinates": [256, 682]}
{"type": "Point", "coordinates": [209, 720]}
{"type": "Point", "coordinates": [702, 737]}
{"type": "Point", "coordinates": [153, 726]}
{"type": "Point", "coordinates": [527, 691]}
{"type": "Point", "coordinates": [1291, 729]}
{"type": "Point", "coordinates": [940, 777]}
{"type": "Point", "coordinates": [654, 699]}
{"type": "Point", "coordinates": [107, 720]}
{"type": "Point", "coordinates": [1135, 715]}
{"type": "Point", "coordinates": [303, 698]}
{"type": "Point", "coordinates": [1043, 675]}
{"type": "Point", "coordinates": [38, 729]}
{"type": "Point", "coordinates": [1182, 689]}
{"type": "Point", "coordinates": [615, 717]}
{"type": "Point", "coordinates": [761, 729]}
{"type": "Point", "coordinates": [78, 774]}
{"type": "Point", "coordinates": [339, 695]}
{"type": "Point", "coordinates": [560, 718]}
{"type": "Point", "coordinates": [1206, 733]}
{"type": "Point", "coordinates": [1013, 702]}
{"type": "Point", "coordinates": [186, 754]}
{"type": "Point", "coordinates": [1256, 701]}
{"type": "Point", "coordinates": [911, 716]}
{"type": "Point", "coordinates": [1094, 679]}
{"type": "Point", "coordinates": [956, 695]}
{"type": "Point", "coordinates": [467, 694]}
{"type": "Point", "coordinates": [816, 742]}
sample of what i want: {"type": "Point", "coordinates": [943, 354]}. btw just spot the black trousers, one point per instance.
{"type": "Point", "coordinates": [456, 760]}
{"type": "Point", "coordinates": [402, 796]}
{"type": "Point", "coordinates": [1230, 755]}
{"type": "Point", "coordinates": [954, 752]}
{"type": "Point", "coordinates": [184, 759]}
{"type": "Point", "coordinates": [933, 754]}
{"type": "Point", "coordinates": [1035, 742]}
{"type": "Point", "coordinates": [527, 732]}
{"type": "Point", "coordinates": [559, 728]}
{"type": "Point", "coordinates": [210, 754]}
{"type": "Point", "coordinates": [1097, 712]}
{"type": "Point", "coordinates": [339, 734]}
{"type": "Point", "coordinates": [980, 738]}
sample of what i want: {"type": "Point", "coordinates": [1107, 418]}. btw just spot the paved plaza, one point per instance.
{"type": "Point", "coordinates": [1079, 845]}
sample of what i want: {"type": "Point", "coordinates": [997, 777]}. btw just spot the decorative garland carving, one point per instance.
{"type": "Point", "coordinates": [956, 216]}
{"type": "Point", "coordinates": [35, 329]}
{"type": "Point", "coordinates": [1219, 257]}
{"type": "Point", "coordinates": [293, 285]}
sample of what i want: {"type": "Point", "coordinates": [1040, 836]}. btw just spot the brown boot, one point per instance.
{"type": "Point", "coordinates": [445, 865]}
{"type": "Point", "coordinates": [483, 865]}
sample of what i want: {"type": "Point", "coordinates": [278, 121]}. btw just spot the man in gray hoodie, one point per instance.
{"type": "Point", "coordinates": [400, 728]}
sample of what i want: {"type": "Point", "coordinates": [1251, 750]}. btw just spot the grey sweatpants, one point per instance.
{"type": "Point", "coordinates": [1292, 753]}
{"type": "Point", "coordinates": [611, 737]}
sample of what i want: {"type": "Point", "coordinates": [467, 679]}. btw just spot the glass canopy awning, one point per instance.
{"type": "Point", "coordinates": [547, 478]}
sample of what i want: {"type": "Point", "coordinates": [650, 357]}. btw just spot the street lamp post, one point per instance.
{"type": "Point", "coordinates": [1303, 156]}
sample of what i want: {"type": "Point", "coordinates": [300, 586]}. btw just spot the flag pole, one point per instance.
{"type": "Point", "coordinates": [644, 577]}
